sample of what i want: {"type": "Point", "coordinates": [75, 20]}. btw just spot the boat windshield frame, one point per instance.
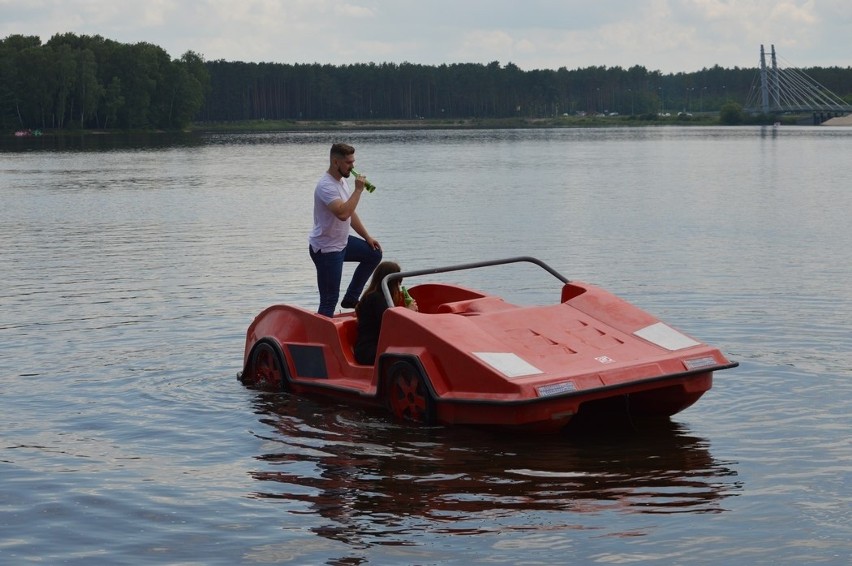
{"type": "Point", "coordinates": [463, 267]}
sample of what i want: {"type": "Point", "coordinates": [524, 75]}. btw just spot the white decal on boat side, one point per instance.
{"type": "Point", "coordinates": [507, 363]}
{"type": "Point", "coordinates": [665, 336]}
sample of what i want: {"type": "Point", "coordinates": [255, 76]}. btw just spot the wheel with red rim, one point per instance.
{"type": "Point", "coordinates": [266, 368]}
{"type": "Point", "coordinates": [408, 397]}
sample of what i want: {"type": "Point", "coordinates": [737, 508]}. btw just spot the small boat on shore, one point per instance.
{"type": "Point", "coordinates": [471, 358]}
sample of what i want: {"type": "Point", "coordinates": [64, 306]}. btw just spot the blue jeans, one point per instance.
{"type": "Point", "coordinates": [330, 272]}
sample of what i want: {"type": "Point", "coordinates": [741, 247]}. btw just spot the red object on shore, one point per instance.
{"type": "Point", "coordinates": [470, 358]}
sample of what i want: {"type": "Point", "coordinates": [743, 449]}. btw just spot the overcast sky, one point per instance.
{"type": "Point", "coordinates": [665, 35]}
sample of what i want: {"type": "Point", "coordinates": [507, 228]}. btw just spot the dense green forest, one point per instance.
{"type": "Point", "coordinates": [88, 82]}
{"type": "Point", "coordinates": [91, 82]}
{"type": "Point", "coordinates": [242, 91]}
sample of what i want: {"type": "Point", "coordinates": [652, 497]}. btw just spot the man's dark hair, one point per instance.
{"type": "Point", "coordinates": [341, 150]}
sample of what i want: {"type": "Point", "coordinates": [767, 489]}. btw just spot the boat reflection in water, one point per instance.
{"type": "Point", "coordinates": [376, 479]}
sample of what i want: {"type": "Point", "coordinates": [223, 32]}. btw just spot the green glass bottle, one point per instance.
{"type": "Point", "coordinates": [405, 296]}
{"type": "Point", "coordinates": [370, 187]}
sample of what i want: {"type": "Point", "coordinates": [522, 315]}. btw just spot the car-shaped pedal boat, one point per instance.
{"type": "Point", "coordinates": [471, 358]}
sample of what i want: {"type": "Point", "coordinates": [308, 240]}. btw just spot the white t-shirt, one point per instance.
{"type": "Point", "coordinates": [329, 234]}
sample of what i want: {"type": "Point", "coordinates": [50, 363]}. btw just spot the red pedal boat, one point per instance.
{"type": "Point", "coordinates": [470, 358]}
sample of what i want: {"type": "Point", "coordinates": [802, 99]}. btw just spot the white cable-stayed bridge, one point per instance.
{"type": "Point", "coordinates": [779, 90]}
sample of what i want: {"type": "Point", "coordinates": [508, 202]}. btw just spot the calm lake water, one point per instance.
{"type": "Point", "coordinates": [131, 269]}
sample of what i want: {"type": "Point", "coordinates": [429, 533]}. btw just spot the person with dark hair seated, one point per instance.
{"type": "Point", "coordinates": [372, 307]}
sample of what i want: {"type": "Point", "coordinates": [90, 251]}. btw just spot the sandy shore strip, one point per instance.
{"type": "Point", "coordinates": [839, 121]}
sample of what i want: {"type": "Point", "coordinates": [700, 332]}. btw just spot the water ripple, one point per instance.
{"type": "Point", "coordinates": [131, 269]}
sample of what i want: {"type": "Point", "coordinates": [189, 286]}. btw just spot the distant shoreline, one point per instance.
{"type": "Point", "coordinates": [459, 124]}
{"type": "Point", "coordinates": [573, 121]}
{"type": "Point", "coordinates": [259, 126]}
{"type": "Point", "coordinates": [839, 121]}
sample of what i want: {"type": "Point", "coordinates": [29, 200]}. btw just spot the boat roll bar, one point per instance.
{"type": "Point", "coordinates": [464, 266]}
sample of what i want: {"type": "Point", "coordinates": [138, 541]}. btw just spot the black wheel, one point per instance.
{"type": "Point", "coordinates": [408, 397]}
{"type": "Point", "coordinates": [266, 369]}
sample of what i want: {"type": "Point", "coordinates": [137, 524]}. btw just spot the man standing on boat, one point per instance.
{"type": "Point", "coordinates": [330, 243]}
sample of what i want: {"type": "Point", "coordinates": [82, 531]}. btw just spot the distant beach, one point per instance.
{"type": "Point", "coordinates": [839, 121]}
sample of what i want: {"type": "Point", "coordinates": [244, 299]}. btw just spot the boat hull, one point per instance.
{"type": "Point", "coordinates": [470, 358]}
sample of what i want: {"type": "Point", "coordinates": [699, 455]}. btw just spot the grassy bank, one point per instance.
{"type": "Point", "coordinates": [709, 119]}
{"type": "Point", "coordinates": [644, 120]}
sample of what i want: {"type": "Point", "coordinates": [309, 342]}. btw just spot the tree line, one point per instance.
{"type": "Point", "coordinates": [252, 91]}
{"type": "Point", "coordinates": [90, 82]}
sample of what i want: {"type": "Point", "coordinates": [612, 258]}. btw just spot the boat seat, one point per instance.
{"type": "Point", "coordinates": [347, 330]}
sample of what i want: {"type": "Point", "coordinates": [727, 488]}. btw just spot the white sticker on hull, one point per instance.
{"type": "Point", "coordinates": [507, 363]}
{"type": "Point", "coordinates": [556, 389]}
{"type": "Point", "coordinates": [666, 337]}
{"type": "Point", "coordinates": [699, 363]}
